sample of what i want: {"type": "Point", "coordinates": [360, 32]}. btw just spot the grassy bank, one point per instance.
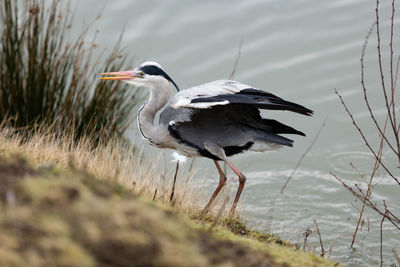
{"type": "Point", "coordinates": [73, 206]}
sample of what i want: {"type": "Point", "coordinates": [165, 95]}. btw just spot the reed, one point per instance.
{"type": "Point", "coordinates": [48, 76]}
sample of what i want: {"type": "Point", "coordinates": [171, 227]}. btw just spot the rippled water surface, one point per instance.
{"type": "Point", "coordinates": [301, 50]}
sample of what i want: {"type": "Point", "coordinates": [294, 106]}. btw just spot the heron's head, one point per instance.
{"type": "Point", "coordinates": [146, 74]}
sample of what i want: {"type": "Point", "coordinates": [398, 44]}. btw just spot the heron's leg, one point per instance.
{"type": "Point", "coordinates": [242, 182]}
{"type": "Point", "coordinates": [222, 182]}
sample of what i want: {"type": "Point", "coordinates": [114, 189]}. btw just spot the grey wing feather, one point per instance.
{"type": "Point", "coordinates": [234, 128]}
{"type": "Point", "coordinates": [172, 116]}
{"type": "Point", "coordinates": [184, 98]}
{"type": "Point", "coordinates": [224, 92]}
{"type": "Point", "coordinates": [180, 108]}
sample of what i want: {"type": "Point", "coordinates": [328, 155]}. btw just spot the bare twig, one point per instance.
{"type": "Point", "coordinates": [320, 238]}
{"type": "Point", "coordinates": [362, 175]}
{"type": "Point", "coordinates": [191, 165]}
{"type": "Point", "coordinates": [393, 219]}
{"type": "Point", "coordinates": [393, 216]}
{"type": "Point", "coordinates": [365, 139]}
{"type": "Point", "coordinates": [376, 165]}
{"type": "Point", "coordinates": [381, 69]}
{"type": "Point", "coordinates": [397, 72]}
{"type": "Point", "coordinates": [391, 75]}
{"type": "Point", "coordinates": [155, 194]}
{"type": "Point", "coordinates": [304, 154]}
{"type": "Point", "coordinates": [306, 234]}
{"type": "Point", "coordinates": [236, 61]}
{"type": "Point", "coordinates": [173, 185]}
{"type": "Point", "coordinates": [330, 249]}
{"type": "Point", "coordinates": [396, 255]}
{"type": "Point", "coordinates": [381, 236]}
{"type": "Point", "coordinates": [365, 89]}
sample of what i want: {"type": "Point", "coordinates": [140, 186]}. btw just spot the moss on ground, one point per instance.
{"type": "Point", "coordinates": [68, 218]}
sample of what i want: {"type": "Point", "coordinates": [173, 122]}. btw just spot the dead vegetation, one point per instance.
{"type": "Point", "coordinates": [387, 130]}
{"type": "Point", "coordinates": [74, 205]}
{"type": "Point", "coordinates": [69, 218]}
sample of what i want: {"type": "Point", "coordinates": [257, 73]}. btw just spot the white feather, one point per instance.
{"type": "Point", "coordinates": [202, 105]}
{"type": "Point", "coordinates": [184, 98]}
{"type": "Point", "coordinates": [178, 157]}
{"type": "Point", "coordinates": [182, 102]}
{"type": "Point", "coordinates": [264, 146]}
{"type": "Point", "coordinates": [150, 63]}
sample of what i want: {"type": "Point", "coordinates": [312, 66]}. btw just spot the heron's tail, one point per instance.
{"type": "Point", "coordinates": [279, 128]}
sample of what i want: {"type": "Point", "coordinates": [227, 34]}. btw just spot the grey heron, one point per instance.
{"type": "Point", "coordinates": [213, 120]}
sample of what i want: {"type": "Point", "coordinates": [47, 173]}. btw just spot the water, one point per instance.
{"type": "Point", "coordinates": [301, 50]}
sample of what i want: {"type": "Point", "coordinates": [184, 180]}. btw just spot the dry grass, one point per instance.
{"type": "Point", "coordinates": [69, 218]}
{"type": "Point", "coordinates": [115, 162]}
{"type": "Point", "coordinates": [75, 188]}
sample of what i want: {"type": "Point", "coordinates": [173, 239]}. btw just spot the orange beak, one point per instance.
{"type": "Point", "coordinates": [119, 75]}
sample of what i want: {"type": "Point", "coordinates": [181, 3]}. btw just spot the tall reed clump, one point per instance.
{"type": "Point", "coordinates": [387, 130]}
{"type": "Point", "coordinates": [48, 77]}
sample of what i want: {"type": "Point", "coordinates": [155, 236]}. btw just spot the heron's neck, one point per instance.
{"type": "Point", "coordinates": [150, 129]}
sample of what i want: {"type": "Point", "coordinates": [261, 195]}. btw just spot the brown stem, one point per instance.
{"type": "Point", "coordinates": [395, 130]}
{"type": "Point", "coordinates": [381, 237]}
{"type": "Point", "coordinates": [320, 239]}
{"type": "Point", "coordinates": [376, 165]}
{"type": "Point", "coordinates": [304, 154]}
{"type": "Point", "coordinates": [396, 255]}
{"type": "Point", "coordinates": [173, 185]}
{"type": "Point", "coordinates": [393, 219]}
{"type": "Point", "coordinates": [306, 234]}
{"type": "Point", "coordinates": [365, 91]}
{"type": "Point", "coordinates": [381, 69]}
{"type": "Point", "coordinates": [365, 139]}
{"type": "Point", "coordinates": [236, 61]}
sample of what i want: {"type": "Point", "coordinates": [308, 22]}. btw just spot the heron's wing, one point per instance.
{"type": "Point", "coordinates": [224, 92]}
{"type": "Point", "coordinates": [226, 114]}
{"type": "Point", "coordinates": [233, 128]}
{"type": "Point", "coordinates": [226, 123]}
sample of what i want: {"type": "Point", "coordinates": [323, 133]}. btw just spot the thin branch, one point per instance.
{"type": "Point", "coordinates": [381, 237]}
{"type": "Point", "coordinates": [365, 89]}
{"type": "Point", "coordinates": [155, 194]}
{"type": "Point", "coordinates": [394, 220]}
{"type": "Point", "coordinates": [356, 170]}
{"type": "Point", "coordinates": [304, 154]}
{"type": "Point", "coordinates": [393, 216]}
{"type": "Point", "coordinates": [396, 255]}
{"type": "Point", "coordinates": [330, 250]}
{"type": "Point", "coordinates": [380, 66]}
{"type": "Point", "coordinates": [376, 165]}
{"type": "Point", "coordinates": [365, 139]}
{"type": "Point", "coordinates": [173, 185]}
{"type": "Point", "coordinates": [320, 239]}
{"type": "Point", "coordinates": [191, 165]}
{"type": "Point", "coordinates": [397, 72]}
{"type": "Point", "coordinates": [236, 61]}
{"type": "Point", "coordinates": [388, 211]}
{"type": "Point", "coordinates": [306, 234]}
{"type": "Point", "coordinates": [391, 78]}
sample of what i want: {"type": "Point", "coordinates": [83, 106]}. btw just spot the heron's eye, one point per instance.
{"type": "Point", "coordinates": [141, 74]}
